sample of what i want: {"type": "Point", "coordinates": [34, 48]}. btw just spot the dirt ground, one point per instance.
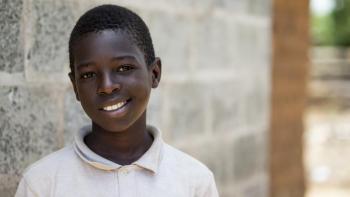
{"type": "Point", "coordinates": [327, 152]}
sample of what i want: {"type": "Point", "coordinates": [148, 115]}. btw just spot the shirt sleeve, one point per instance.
{"type": "Point", "coordinates": [24, 190]}
{"type": "Point", "coordinates": [208, 189]}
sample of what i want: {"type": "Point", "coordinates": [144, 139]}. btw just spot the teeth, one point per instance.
{"type": "Point", "coordinates": [114, 107]}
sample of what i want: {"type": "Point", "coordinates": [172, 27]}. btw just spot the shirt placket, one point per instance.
{"type": "Point", "coordinates": [126, 181]}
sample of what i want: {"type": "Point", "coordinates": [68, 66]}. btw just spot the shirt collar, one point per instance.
{"type": "Point", "coordinates": [150, 160]}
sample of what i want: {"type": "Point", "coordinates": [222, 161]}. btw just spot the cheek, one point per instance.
{"type": "Point", "coordinates": [85, 91]}
{"type": "Point", "coordinates": [141, 88]}
{"type": "Point", "coordinates": [86, 95]}
{"type": "Point", "coordinates": [141, 93]}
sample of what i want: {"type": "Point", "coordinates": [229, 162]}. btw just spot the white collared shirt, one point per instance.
{"type": "Point", "coordinates": [162, 171]}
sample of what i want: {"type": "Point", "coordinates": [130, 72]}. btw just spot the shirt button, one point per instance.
{"type": "Point", "coordinates": [124, 171]}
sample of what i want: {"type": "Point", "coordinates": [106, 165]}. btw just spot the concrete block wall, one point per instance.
{"type": "Point", "coordinates": [213, 100]}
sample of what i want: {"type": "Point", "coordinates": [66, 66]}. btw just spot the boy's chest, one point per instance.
{"type": "Point", "coordinates": [121, 184]}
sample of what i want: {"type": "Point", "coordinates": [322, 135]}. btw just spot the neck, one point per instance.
{"type": "Point", "coordinates": [122, 147]}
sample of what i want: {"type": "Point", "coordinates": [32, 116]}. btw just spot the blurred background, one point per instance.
{"type": "Point", "coordinates": [327, 125]}
{"type": "Point", "coordinates": [255, 89]}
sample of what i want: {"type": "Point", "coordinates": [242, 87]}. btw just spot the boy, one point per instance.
{"type": "Point", "coordinates": [113, 69]}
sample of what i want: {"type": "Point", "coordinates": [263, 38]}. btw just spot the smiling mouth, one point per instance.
{"type": "Point", "coordinates": [115, 106]}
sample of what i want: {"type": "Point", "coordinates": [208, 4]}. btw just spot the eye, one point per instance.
{"type": "Point", "coordinates": [124, 68]}
{"type": "Point", "coordinates": [87, 75]}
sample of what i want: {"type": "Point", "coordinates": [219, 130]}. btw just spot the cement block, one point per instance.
{"type": "Point", "coordinates": [211, 44]}
{"type": "Point", "coordinates": [11, 45]}
{"type": "Point", "coordinates": [259, 7]}
{"type": "Point", "coordinates": [192, 4]}
{"type": "Point", "coordinates": [227, 106]}
{"type": "Point", "coordinates": [51, 23]}
{"type": "Point", "coordinates": [258, 188]}
{"type": "Point", "coordinates": [155, 108]}
{"type": "Point", "coordinates": [178, 6]}
{"type": "Point", "coordinates": [221, 160]}
{"type": "Point", "coordinates": [171, 36]}
{"type": "Point", "coordinates": [262, 157]}
{"type": "Point", "coordinates": [8, 184]}
{"type": "Point", "coordinates": [29, 129]}
{"type": "Point", "coordinates": [74, 116]}
{"type": "Point", "coordinates": [245, 7]}
{"type": "Point", "coordinates": [228, 194]}
{"type": "Point", "coordinates": [256, 102]}
{"type": "Point", "coordinates": [248, 49]}
{"type": "Point", "coordinates": [185, 109]}
{"type": "Point", "coordinates": [248, 46]}
{"type": "Point", "coordinates": [234, 6]}
{"type": "Point", "coordinates": [220, 165]}
{"type": "Point", "coordinates": [264, 44]}
{"type": "Point", "coordinates": [245, 152]}
{"type": "Point", "coordinates": [252, 46]}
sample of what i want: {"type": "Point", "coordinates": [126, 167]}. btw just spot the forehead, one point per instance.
{"type": "Point", "coordinates": [105, 43]}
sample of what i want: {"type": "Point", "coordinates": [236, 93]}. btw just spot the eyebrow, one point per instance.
{"type": "Point", "coordinates": [119, 58]}
{"type": "Point", "coordinates": [131, 57]}
{"type": "Point", "coordinates": [84, 64]}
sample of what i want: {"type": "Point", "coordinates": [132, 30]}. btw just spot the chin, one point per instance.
{"type": "Point", "coordinates": [119, 124]}
{"type": "Point", "coordinates": [115, 127]}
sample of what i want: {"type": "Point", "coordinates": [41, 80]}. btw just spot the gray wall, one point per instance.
{"type": "Point", "coordinates": [213, 101]}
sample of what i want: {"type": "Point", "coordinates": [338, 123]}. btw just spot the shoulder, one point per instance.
{"type": "Point", "coordinates": [49, 165]}
{"type": "Point", "coordinates": [187, 168]}
{"type": "Point", "coordinates": [182, 161]}
{"type": "Point", "coordinates": [40, 176]}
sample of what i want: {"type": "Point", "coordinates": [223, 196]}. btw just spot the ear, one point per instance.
{"type": "Point", "coordinates": [156, 72]}
{"type": "Point", "coordinates": [72, 80]}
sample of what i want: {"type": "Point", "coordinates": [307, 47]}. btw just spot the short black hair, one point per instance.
{"type": "Point", "coordinates": [113, 17]}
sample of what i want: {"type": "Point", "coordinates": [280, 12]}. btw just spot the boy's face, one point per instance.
{"type": "Point", "coordinates": [112, 80]}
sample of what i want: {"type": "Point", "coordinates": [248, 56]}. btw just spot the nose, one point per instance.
{"type": "Point", "coordinates": [107, 85]}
